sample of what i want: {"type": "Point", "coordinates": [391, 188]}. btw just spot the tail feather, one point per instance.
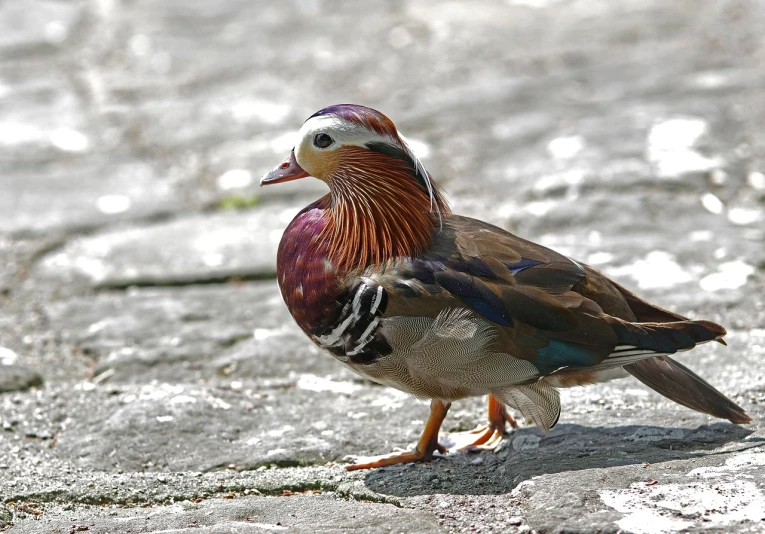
{"type": "Point", "coordinates": [640, 341]}
{"type": "Point", "coordinates": [671, 378]}
{"type": "Point", "coordinates": [678, 383]}
{"type": "Point", "coordinates": [665, 338]}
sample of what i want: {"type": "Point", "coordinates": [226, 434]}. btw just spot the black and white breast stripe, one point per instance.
{"type": "Point", "coordinates": [353, 333]}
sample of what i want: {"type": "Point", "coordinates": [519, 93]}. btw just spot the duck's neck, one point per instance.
{"type": "Point", "coordinates": [380, 210]}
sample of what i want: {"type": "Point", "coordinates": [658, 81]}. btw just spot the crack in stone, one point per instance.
{"type": "Point", "coordinates": [61, 497]}
{"type": "Point", "coordinates": [191, 281]}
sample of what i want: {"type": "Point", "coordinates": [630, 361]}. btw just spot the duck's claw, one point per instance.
{"type": "Point", "coordinates": [426, 446]}
{"type": "Point", "coordinates": [486, 437]}
{"type": "Point", "coordinates": [399, 457]}
{"type": "Point", "coordinates": [483, 438]}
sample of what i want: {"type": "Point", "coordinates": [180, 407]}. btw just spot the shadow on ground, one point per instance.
{"type": "Point", "coordinates": [528, 453]}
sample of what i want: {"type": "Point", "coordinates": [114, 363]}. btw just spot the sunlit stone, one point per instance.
{"type": "Point", "coordinates": [678, 162]}
{"type": "Point", "coordinates": [671, 148]}
{"type": "Point", "coordinates": [668, 507]}
{"type": "Point", "coordinates": [600, 258]}
{"type": "Point", "coordinates": [745, 216]}
{"type": "Point", "coordinates": [701, 235]}
{"type": "Point", "coordinates": [711, 79]}
{"type": "Point", "coordinates": [712, 204]}
{"type": "Point", "coordinates": [315, 383]}
{"type": "Point", "coordinates": [756, 180]}
{"type": "Point", "coordinates": [259, 334]}
{"type": "Point", "coordinates": [262, 110]}
{"type": "Point", "coordinates": [718, 177]}
{"type": "Point", "coordinates": [566, 147]}
{"type": "Point", "coordinates": [55, 32]}
{"type": "Point", "coordinates": [69, 140]}
{"type": "Point", "coordinates": [111, 204]}
{"type": "Point", "coordinates": [731, 275]}
{"type": "Point", "coordinates": [213, 259]}
{"type": "Point", "coordinates": [140, 44]}
{"type": "Point", "coordinates": [657, 270]}
{"type": "Point", "coordinates": [420, 148]}
{"type": "Point", "coordinates": [503, 211]}
{"type": "Point", "coordinates": [675, 134]}
{"type": "Point", "coordinates": [16, 133]}
{"type": "Point", "coordinates": [285, 216]}
{"type": "Point", "coordinates": [183, 399]}
{"type": "Point", "coordinates": [274, 236]}
{"type": "Point", "coordinates": [283, 143]}
{"type": "Point", "coordinates": [234, 179]}
{"type": "Point", "coordinates": [7, 356]}
{"type": "Point", "coordinates": [540, 208]}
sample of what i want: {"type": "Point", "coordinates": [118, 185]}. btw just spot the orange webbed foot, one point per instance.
{"type": "Point", "coordinates": [399, 457]}
{"type": "Point", "coordinates": [423, 452]}
{"type": "Point", "coordinates": [486, 437]}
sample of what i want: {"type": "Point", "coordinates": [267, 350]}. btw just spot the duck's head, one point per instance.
{"type": "Point", "coordinates": [379, 190]}
{"type": "Point", "coordinates": [349, 144]}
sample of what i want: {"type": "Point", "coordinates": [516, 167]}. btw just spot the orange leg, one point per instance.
{"type": "Point", "coordinates": [426, 446]}
{"type": "Point", "coordinates": [486, 437]}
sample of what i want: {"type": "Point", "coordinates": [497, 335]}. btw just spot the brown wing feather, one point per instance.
{"type": "Point", "coordinates": [477, 266]}
{"type": "Point", "coordinates": [547, 297]}
{"type": "Point", "coordinates": [662, 374]}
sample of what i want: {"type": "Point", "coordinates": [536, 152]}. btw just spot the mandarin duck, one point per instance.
{"type": "Point", "coordinates": [384, 277]}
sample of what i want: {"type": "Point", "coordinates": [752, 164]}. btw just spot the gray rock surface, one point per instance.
{"type": "Point", "coordinates": [151, 378]}
{"type": "Point", "coordinates": [42, 200]}
{"type": "Point", "coordinates": [18, 378]}
{"type": "Point", "coordinates": [15, 377]}
{"type": "Point", "coordinates": [197, 248]}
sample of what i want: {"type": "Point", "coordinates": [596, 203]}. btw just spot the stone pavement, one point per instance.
{"type": "Point", "coordinates": [151, 378]}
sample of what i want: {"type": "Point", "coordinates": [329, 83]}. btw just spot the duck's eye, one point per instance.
{"type": "Point", "coordinates": [322, 140]}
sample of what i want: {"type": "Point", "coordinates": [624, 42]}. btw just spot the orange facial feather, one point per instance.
{"type": "Point", "coordinates": [379, 210]}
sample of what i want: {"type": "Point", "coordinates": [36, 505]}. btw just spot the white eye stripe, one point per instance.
{"type": "Point", "coordinates": [342, 132]}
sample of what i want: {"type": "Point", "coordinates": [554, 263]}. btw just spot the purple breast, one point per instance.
{"type": "Point", "coordinates": [308, 280]}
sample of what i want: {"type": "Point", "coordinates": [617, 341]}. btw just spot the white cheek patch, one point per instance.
{"type": "Point", "coordinates": [344, 133]}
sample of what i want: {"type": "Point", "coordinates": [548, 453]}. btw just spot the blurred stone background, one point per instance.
{"type": "Point", "coordinates": [150, 376]}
